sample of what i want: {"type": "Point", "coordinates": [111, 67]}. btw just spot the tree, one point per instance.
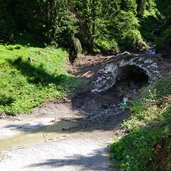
{"type": "Point", "coordinates": [7, 26]}
{"type": "Point", "coordinates": [96, 25]}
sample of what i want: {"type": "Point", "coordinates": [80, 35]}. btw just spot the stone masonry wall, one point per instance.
{"type": "Point", "coordinates": [107, 76]}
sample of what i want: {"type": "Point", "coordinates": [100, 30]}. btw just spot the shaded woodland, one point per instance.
{"type": "Point", "coordinates": [89, 26]}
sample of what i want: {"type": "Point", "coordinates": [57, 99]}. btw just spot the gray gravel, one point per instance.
{"type": "Point", "coordinates": [77, 150]}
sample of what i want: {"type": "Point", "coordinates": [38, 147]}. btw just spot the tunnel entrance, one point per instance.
{"type": "Point", "coordinates": [134, 74]}
{"type": "Point", "coordinates": [130, 80]}
{"type": "Point", "coordinates": [106, 106]}
{"type": "Point", "coordinates": [128, 83]}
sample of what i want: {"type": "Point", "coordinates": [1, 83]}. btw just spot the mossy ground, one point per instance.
{"type": "Point", "coordinates": [31, 76]}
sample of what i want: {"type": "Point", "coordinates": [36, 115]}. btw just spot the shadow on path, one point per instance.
{"type": "Point", "coordinates": [96, 161]}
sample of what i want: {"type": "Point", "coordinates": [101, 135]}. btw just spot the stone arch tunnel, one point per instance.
{"type": "Point", "coordinates": [132, 73]}
{"type": "Point", "coordinates": [139, 68]}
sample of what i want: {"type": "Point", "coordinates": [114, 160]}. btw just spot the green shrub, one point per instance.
{"type": "Point", "coordinates": [132, 40]}
{"type": "Point", "coordinates": [107, 44]}
{"type": "Point", "coordinates": [162, 88]}
{"type": "Point", "coordinates": [7, 25]}
{"type": "Point", "coordinates": [167, 35]}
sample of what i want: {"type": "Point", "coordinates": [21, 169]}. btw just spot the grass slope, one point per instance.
{"type": "Point", "coordinates": [147, 146]}
{"type": "Point", "coordinates": [25, 85]}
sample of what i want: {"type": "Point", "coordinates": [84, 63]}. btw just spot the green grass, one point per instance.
{"type": "Point", "coordinates": [148, 129]}
{"type": "Point", "coordinates": [25, 85]}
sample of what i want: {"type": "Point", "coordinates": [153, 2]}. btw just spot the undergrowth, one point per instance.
{"type": "Point", "coordinates": [147, 144]}
{"type": "Point", "coordinates": [31, 76]}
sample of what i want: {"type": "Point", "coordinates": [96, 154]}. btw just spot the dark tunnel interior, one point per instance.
{"type": "Point", "coordinates": [130, 80]}
{"type": "Point", "coordinates": [133, 74]}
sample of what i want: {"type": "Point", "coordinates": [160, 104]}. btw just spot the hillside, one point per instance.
{"type": "Point", "coordinates": [32, 76]}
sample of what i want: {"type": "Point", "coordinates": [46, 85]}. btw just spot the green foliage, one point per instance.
{"type": "Point", "coordinates": [135, 150]}
{"type": "Point", "coordinates": [167, 35]}
{"type": "Point", "coordinates": [6, 23]}
{"type": "Point", "coordinates": [32, 76]}
{"type": "Point", "coordinates": [162, 88]}
{"type": "Point", "coordinates": [148, 127]}
{"type": "Point", "coordinates": [98, 25]}
{"type": "Point", "coordinates": [90, 22]}
{"type": "Point", "coordinates": [147, 29]}
{"type": "Point", "coordinates": [133, 41]}
{"type": "Point", "coordinates": [105, 45]}
{"type": "Point", "coordinates": [164, 38]}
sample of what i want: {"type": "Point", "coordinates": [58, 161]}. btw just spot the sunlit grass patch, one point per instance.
{"type": "Point", "coordinates": [31, 76]}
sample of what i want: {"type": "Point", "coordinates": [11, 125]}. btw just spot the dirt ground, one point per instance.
{"type": "Point", "coordinates": [56, 137]}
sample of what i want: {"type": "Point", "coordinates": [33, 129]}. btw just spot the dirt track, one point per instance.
{"type": "Point", "coordinates": [38, 142]}
{"type": "Point", "coordinates": [71, 153]}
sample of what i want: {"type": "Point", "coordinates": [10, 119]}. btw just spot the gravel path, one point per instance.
{"type": "Point", "coordinates": [37, 142]}
{"type": "Point", "coordinates": [78, 152]}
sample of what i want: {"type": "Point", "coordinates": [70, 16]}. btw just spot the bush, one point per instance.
{"type": "Point", "coordinates": [133, 41]}
{"type": "Point", "coordinates": [107, 44]}
{"type": "Point", "coordinates": [167, 35]}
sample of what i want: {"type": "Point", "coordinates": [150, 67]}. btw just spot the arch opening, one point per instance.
{"type": "Point", "coordinates": [133, 74]}
{"type": "Point", "coordinates": [130, 80]}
